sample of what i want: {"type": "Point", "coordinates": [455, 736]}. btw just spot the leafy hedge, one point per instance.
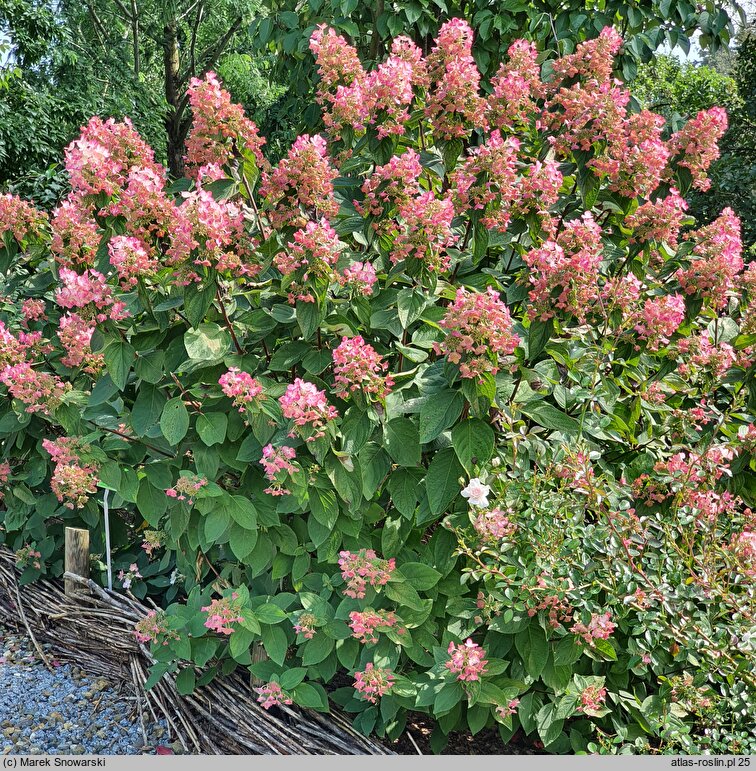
{"type": "Point", "coordinates": [453, 401]}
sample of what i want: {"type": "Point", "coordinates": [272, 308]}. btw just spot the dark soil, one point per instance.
{"type": "Point", "coordinates": [487, 742]}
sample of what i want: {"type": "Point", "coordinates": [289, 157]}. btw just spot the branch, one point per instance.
{"type": "Point", "coordinates": [135, 38]}
{"type": "Point", "coordinates": [230, 326]}
{"type": "Point", "coordinates": [210, 57]}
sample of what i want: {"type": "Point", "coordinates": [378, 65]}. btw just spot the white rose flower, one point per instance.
{"type": "Point", "coordinates": [476, 493]}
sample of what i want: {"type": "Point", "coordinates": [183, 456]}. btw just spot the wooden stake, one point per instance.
{"type": "Point", "coordinates": [257, 654]}
{"type": "Point", "coordinates": [77, 556]}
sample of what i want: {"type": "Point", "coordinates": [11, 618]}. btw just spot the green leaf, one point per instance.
{"type": "Point", "coordinates": [316, 650]}
{"type": "Point", "coordinates": [606, 649]}
{"type": "Point", "coordinates": [174, 422]}
{"type": "Point", "coordinates": [422, 577]}
{"type": "Point", "coordinates": [548, 726]}
{"type": "Point", "coordinates": [186, 681]}
{"type": "Point", "coordinates": [402, 440]}
{"type": "Point", "coordinates": [148, 408]}
{"type": "Point", "coordinates": [324, 506]}
{"type": "Point", "coordinates": [242, 541]}
{"type": "Point", "coordinates": [211, 428]}
{"type": "Point", "coordinates": [568, 651]}
{"type": "Point", "coordinates": [243, 512]}
{"type": "Point", "coordinates": [240, 641]}
{"type": "Point", "coordinates": [312, 696]}
{"type": "Point", "coordinates": [533, 647]}
{"type": "Point", "coordinates": [197, 301]}
{"type": "Point", "coordinates": [208, 342]}
{"type": "Point", "coordinates": [309, 316]}
{"type": "Point", "coordinates": [151, 502]}
{"type": "Point", "coordinates": [149, 367]}
{"type": "Point", "coordinates": [268, 613]}
{"type": "Point", "coordinates": [538, 335]}
{"type": "Point", "coordinates": [439, 412]}
{"type": "Point", "coordinates": [216, 524]}
{"type": "Point", "coordinates": [404, 593]}
{"type": "Point", "coordinates": [473, 442]}
{"type": "Point", "coordinates": [550, 417]}
{"type": "Point", "coordinates": [409, 306]}
{"type": "Point", "coordinates": [404, 486]}
{"type": "Point", "coordinates": [291, 678]}
{"type": "Point", "coordinates": [442, 480]}
{"type": "Point", "coordinates": [448, 698]}
{"type": "Point", "coordinates": [119, 356]}
{"type": "Point", "coordinates": [275, 643]}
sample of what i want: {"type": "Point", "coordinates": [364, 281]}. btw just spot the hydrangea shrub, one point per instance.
{"type": "Point", "coordinates": [452, 407]}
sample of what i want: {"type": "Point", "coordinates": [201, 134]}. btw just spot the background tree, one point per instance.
{"type": "Point", "coordinates": [285, 26]}
{"type": "Point", "coordinates": [66, 61]}
{"type": "Point", "coordinates": [679, 90]}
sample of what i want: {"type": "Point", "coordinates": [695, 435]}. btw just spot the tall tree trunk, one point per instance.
{"type": "Point", "coordinates": [174, 133]}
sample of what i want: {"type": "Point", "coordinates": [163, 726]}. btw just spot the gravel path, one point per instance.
{"type": "Point", "coordinates": [64, 712]}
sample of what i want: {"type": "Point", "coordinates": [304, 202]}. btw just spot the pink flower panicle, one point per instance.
{"type": "Point", "coordinates": [658, 221]}
{"type": "Point", "coordinates": [743, 546]}
{"type": "Point", "coordinates": [373, 682]}
{"type": "Point", "coordinates": [272, 695]}
{"type": "Point", "coordinates": [697, 144]}
{"type": "Point", "coordinates": [151, 541]}
{"type": "Point", "coordinates": [600, 627]}
{"type": "Point", "coordinates": [360, 276]}
{"type": "Point", "coordinates": [75, 335]}
{"type": "Point", "coordinates": [717, 260]}
{"type": "Point", "coordinates": [392, 186]}
{"type": "Point", "coordinates": [592, 699]}
{"type": "Point", "coordinates": [509, 710]}
{"type": "Point", "coordinates": [516, 87]}
{"type": "Point", "coordinates": [73, 479]}
{"type": "Point", "coordinates": [222, 613]}
{"type": "Point", "coordinates": [308, 408]}
{"type": "Point", "coordinates": [305, 625]}
{"type": "Point", "coordinates": [23, 220]}
{"type": "Point", "coordinates": [101, 159]}
{"type": "Point", "coordinates": [39, 391]}
{"type": "Point", "coordinates": [454, 104]}
{"type": "Point", "coordinates": [127, 577]}
{"type": "Point", "coordinates": [153, 628]}
{"type": "Point", "coordinates": [466, 661]}
{"type": "Point", "coordinates": [132, 260]}
{"type": "Point", "coordinates": [218, 235]}
{"type": "Point", "coordinates": [659, 319]}
{"type": "Point", "coordinates": [358, 367]}
{"type": "Point", "coordinates": [245, 391]}
{"type": "Point", "coordinates": [426, 232]}
{"type": "Point", "coordinates": [90, 292]}
{"type": "Point", "coordinates": [27, 556]}
{"type": "Point", "coordinates": [593, 59]}
{"type": "Point", "coordinates": [478, 333]}
{"type": "Point", "coordinates": [34, 310]}
{"type": "Point", "coordinates": [147, 212]}
{"type": "Point", "coordinates": [310, 260]}
{"type": "Point", "coordinates": [635, 157]}
{"type": "Point", "coordinates": [338, 62]}
{"type": "Point", "coordinates": [220, 130]}
{"type": "Point", "coordinates": [366, 624]}
{"type": "Point", "coordinates": [186, 488]}
{"type": "Point", "coordinates": [300, 188]}
{"type": "Point", "coordinates": [75, 237]}
{"type": "Point", "coordinates": [487, 180]}
{"type": "Point", "coordinates": [278, 467]}
{"type": "Point", "coordinates": [362, 568]}
{"type": "Point", "coordinates": [564, 273]}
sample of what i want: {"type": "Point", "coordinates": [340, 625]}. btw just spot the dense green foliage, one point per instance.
{"type": "Point", "coordinates": [485, 444]}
